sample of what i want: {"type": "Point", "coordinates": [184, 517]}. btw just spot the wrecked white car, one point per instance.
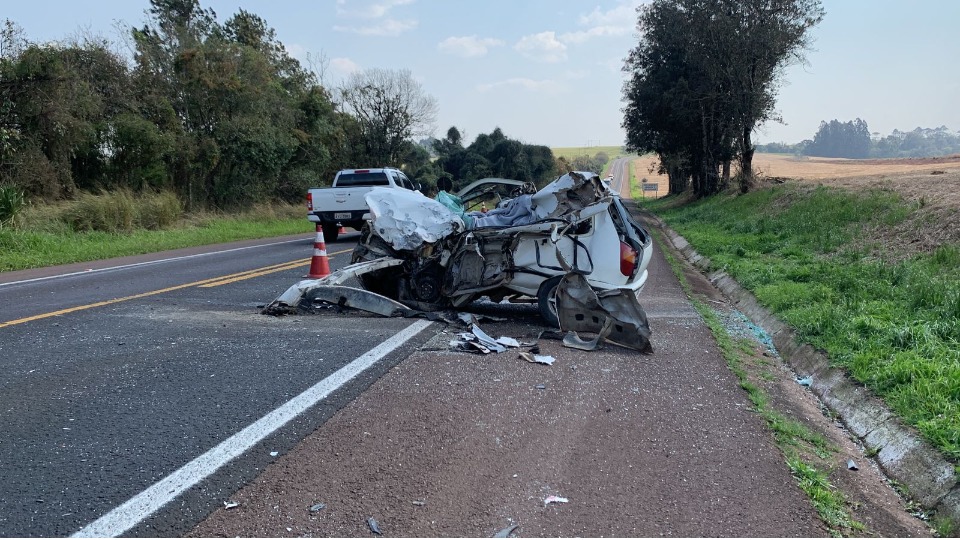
{"type": "Point", "coordinates": [571, 247]}
{"type": "Point", "coordinates": [520, 250]}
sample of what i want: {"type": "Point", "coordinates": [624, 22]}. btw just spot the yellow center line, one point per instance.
{"type": "Point", "coordinates": [211, 282]}
{"type": "Point", "coordinates": [267, 270]}
{"type": "Point", "coordinates": [254, 273]}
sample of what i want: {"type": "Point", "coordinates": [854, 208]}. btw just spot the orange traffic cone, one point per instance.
{"type": "Point", "coordinates": [319, 265]}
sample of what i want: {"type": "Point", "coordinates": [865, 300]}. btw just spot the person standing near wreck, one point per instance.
{"type": "Point", "coordinates": [444, 184]}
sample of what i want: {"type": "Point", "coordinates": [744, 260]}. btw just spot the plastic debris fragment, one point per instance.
{"type": "Point", "coordinates": [541, 387]}
{"type": "Point", "coordinates": [487, 341]}
{"type": "Point", "coordinates": [419, 503]}
{"type": "Point", "coordinates": [538, 358]}
{"type": "Point", "coordinates": [230, 504]}
{"type": "Point", "coordinates": [317, 507]}
{"type": "Point", "coordinates": [806, 381]}
{"type": "Point", "coordinates": [852, 465]}
{"type": "Point", "coordinates": [505, 533]}
{"type": "Point", "coordinates": [555, 499]}
{"type": "Point", "coordinates": [274, 454]}
{"type": "Point", "coordinates": [508, 341]}
{"type": "Point", "coordinates": [374, 527]}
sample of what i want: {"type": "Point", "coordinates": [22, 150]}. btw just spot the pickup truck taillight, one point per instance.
{"type": "Point", "coordinates": [309, 201]}
{"type": "Point", "coordinates": [628, 259]}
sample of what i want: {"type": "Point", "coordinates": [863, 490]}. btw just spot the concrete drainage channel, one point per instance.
{"type": "Point", "coordinates": [903, 455]}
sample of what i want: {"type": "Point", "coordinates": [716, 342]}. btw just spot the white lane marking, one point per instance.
{"type": "Point", "coordinates": [146, 263]}
{"type": "Point", "coordinates": [129, 514]}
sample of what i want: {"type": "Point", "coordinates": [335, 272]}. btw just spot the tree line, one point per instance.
{"type": "Point", "coordinates": [218, 113]}
{"type": "Point", "coordinates": [704, 74]}
{"type": "Point", "coordinates": [853, 139]}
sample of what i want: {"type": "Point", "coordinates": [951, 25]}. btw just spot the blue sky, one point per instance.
{"type": "Point", "coordinates": [548, 71]}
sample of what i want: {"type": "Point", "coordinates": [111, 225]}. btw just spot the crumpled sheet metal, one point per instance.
{"type": "Point", "coordinates": [615, 315]}
{"type": "Point", "coordinates": [292, 297]}
{"type": "Point", "coordinates": [408, 219]}
{"type": "Point", "coordinates": [570, 193]}
{"type": "Point", "coordinates": [352, 297]}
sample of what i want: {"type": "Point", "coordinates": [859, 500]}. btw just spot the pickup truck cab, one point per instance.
{"type": "Point", "coordinates": [343, 204]}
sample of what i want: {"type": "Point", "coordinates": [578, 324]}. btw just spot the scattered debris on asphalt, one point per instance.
{"type": "Point", "coordinates": [541, 387]}
{"type": "Point", "coordinates": [317, 507]}
{"type": "Point", "coordinates": [508, 342]}
{"type": "Point", "coordinates": [553, 499]}
{"type": "Point", "coordinates": [538, 358]}
{"type": "Point", "coordinates": [805, 381]}
{"type": "Point", "coordinates": [374, 527]}
{"type": "Point", "coordinates": [230, 504]}
{"type": "Point", "coordinates": [419, 503]}
{"type": "Point", "coordinates": [852, 465]}
{"type": "Point", "coordinates": [479, 341]}
{"type": "Point", "coordinates": [505, 533]}
{"type": "Point", "coordinates": [274, 454]}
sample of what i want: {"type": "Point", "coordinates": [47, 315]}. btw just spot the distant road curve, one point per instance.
{"type": "Point", "coordinates": [620, 169]}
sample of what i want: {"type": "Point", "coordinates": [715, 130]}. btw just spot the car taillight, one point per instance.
{"type": "Point", "coordinates": [628, 259]}
{"type": "Point", "coordinates": [309, 201]}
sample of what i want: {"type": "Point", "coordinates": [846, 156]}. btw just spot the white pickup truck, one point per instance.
{"type": "Point", "coordinates": [343, 204]}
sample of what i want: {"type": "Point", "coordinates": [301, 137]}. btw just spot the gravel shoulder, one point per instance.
{"type": "Point", "coordinates": [453, 444]}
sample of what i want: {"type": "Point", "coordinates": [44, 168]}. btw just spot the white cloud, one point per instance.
{"type": "Point", "coordinates": [468, 46]}
{"type": "Point", "coordinates": [373, 10]}
{"type": "Point", "coordinates": [543, 47]}
{"type": "Point", "coordinates": [386, 28]}
{"type": "Point", "coordinates": [297, 51]}
{"type": "Point", "coordinates": [618, 21]}
{"type": "Point", "coordinates": [344, 66]}
{"type": "Point", "coordinates": [518, 82]}
{"type": "Point", "coordinates": [575, 74]}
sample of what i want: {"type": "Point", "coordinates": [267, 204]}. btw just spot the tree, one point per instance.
{"type": "Point", "coordinates": [391, 107]}
{"type": "Point", "coordinates": [703, 76]}
{"type": "Point", "coordinates": [841, 139]}
{"type": "Point", "coordinates": [493, 154]}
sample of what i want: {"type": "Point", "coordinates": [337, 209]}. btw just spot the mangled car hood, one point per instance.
{"type": "Point", "coordinates": [407, 219]}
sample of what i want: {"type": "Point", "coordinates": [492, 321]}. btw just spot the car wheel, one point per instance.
{"type": "Point", "coordinates": [330, 232]}
{"type": "Point", "coordinates": [547, 301]}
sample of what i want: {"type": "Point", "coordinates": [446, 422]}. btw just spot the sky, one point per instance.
{"type": "Point", "coordinates": [549, 71]}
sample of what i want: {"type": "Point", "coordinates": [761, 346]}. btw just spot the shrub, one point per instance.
{"type": "Point", "coordinates": [158, 210]}
{"type": "Point", "coordinates": [107, 212]}
{"type": "Point", "coordinates": [12, 202]}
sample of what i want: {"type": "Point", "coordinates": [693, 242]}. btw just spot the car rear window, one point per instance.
{"type": "Point", "coordinates": [362, 179]}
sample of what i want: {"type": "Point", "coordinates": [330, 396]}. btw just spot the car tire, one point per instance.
{"type": "Point", "coordinates": [547, 301]}
{"type": "Point", "coordinates": [330, 232]}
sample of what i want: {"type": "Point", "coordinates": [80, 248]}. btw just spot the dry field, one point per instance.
{"type": "Point", "coordinates": [933, 184]}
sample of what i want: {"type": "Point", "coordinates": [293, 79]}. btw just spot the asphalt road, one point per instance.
{"type": "Point", "coordinates": [117, 374]}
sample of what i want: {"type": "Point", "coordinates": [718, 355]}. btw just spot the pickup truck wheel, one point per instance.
{"type": "Point", "coordinates": [547, 301]}
{"type": "Point", "coordinates": [330, 232]}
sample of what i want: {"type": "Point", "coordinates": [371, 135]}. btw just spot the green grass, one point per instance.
{"type": "Point", "coordinates": [58, 244]}
{"type": "Point", "coordinates": [571, 152]}
{"type": "Point", "coordinates": [808, 255]}
{"type": "Point", "coordinates": [792, 437]}
{"type": "Point", "coordinates": [830, 504]}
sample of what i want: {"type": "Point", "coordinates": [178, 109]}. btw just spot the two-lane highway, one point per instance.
{"type": "Point", "coordinates": [123, 389]}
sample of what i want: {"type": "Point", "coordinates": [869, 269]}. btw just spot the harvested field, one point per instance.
{"type": "Point", "coordinates": [932, 184]}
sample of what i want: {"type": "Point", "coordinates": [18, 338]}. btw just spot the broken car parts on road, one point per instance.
{"type": "Point", "coordinates": [572, 248]}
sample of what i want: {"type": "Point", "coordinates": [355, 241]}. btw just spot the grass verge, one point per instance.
{"type": "Point", "coordinates": [811, 255]}
{"type": "Point", "coordinates": [801, 447]}
{"type": "Point", "coordinates": [54, 242]}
